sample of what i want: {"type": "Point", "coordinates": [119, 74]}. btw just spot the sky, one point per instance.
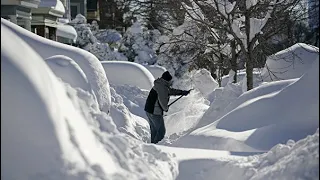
{"type": "Point", "coordinates": [66, 115]}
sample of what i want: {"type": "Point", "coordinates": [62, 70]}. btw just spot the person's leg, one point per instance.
{"type": "Point", "coordinates": [153, 128]}
{"type": "Point", "coordinates": [161, 129]}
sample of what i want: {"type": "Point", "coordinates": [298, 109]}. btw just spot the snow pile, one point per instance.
{"type": "Point", "coordinates": [58, 150]}
{"type": "Point", "coordinates": [292, 62]}
{"type": "Point", "coordinates": [126, 122]}
{"type": "Point", "coordinates": [199, 80]}
{"type": "Point", "coordinates": [130, 73]}
{"type": "Point", "coordinates": [184, 114]}
{"type": "Point", "coordinates": [204, 82]}
{"type": "Point", "coordinates": [69, 71]}
{"type": "Point", "coordinates": [73, 139]}
{"type": "Point", "coordinates": [133, 98]}
{"type": "Point", "coordinates": [298, 160]}
{"type": "Point", "coordinates": [293, 160]}
{"type": "Point", "coordinates": [262, 114]}
{"type": "Point", "coordinates": [220, 98]}
{"type": "Point", "coordinates": [89, 64]}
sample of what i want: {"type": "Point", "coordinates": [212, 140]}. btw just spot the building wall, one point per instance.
{"type": "Point", "coordinates": [80, 5]}
{"type": "Point", "coordinates": [110, 16]}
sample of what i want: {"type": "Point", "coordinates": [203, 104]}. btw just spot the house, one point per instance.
{"type": "Point", "coordinates": [110, 16]}
{"type": "Point", "coordinates": [93, 13]}
{"type": "Point", "coordinates": [19, 11]}
{"type": "Point", "coordinates": [44, 18]}
{"type": "Point", "coordinates": [50, 20]}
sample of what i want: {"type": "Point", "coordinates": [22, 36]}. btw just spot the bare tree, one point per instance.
{"type": "Point", "coordinates": [247, 22]}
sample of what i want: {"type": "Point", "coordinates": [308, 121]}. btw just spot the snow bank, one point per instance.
{"type": "Point", "coordinates": [69, 71]}
{"type": "Point", "coordinates": [48, 137]}
{"type": "Point", "coordinates": [244, 123]}
{"type": "Point", "coordinates": [204, 81]}
{"type": "Point", "coordinates": [274, 114]}
{"type": "Point", "coordinates": [225, 99]}
{"type": "Point", "coordinates": [184, 114]}
{"type": "Point", "coordinates": [298, 160]}
{"type": "Point", "coordinates": [127, 122]}
{"type": "Point", "coordinates": [90, 65]}
{"type": "Point", "coordinates": [293, 160]}
{"type": "Point", "coordinates": [57, 133]}
{"type": "Point", "coordinates": [133, 98]}
{"type": "Point", "coordinates": [130, 73]}
{"type": "Point", "coordinates": [200, 80]}
{"type": "Point", "coordinates": [156, 70]}
{"type": "Point", "coordinates": [292, 62]}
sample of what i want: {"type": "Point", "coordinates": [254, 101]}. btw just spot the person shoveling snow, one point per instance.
{"type": "Point", "coordinates": [157, 102]}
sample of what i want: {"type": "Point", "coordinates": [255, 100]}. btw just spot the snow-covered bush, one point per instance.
{"type": "Point", "coordinates": [86, 40]}
{"type": "Point", "coordinates": [138, 43]}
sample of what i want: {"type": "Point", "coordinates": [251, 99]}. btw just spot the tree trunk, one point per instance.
{"type": "Point", "coordinates": [249, 60]}
{"type": "Point", "coordinates": [234, 60]}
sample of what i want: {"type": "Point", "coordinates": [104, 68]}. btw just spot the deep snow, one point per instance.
{"type": "Point", "coordinates": [89, 64]}
{"type": "Point", "coordinates": [52, 126]}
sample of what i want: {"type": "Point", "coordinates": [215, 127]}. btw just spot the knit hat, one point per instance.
{"type": "Point", "coordinates": [166, 76]}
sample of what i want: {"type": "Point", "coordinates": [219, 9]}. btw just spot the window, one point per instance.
{"type": "Point", "coordinates": [75, 9]}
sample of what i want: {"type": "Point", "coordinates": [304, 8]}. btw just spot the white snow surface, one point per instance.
{"type": "Point", "coordinates": [90, 65]}
{"type": "Point", "coordinates": [66, 31]}
{"type": "Point", "coordinates": [53, 128]}
{"type": "Point", "coordinates": [130, 73]}
{"type": "Point", "coordinates": [292, 62]}
{"type": "Point", "coordinates": [57, 133]}
{"type": "Point", "coordinates": [70, 72]}
{"type": "Point", "coordinates": [278, 119]}
{"type": "Point", "coordinates": [156, 70]}
{"type": "Point", "coordinates": [48, 133]}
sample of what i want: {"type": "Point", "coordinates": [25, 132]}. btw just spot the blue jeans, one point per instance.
{"type": "Point", "coordinates": [157, 127]}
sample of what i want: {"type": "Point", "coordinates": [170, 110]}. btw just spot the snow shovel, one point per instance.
{"type": "Point", "coordinates": [177, 99]}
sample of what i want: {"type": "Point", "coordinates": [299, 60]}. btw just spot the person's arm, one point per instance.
{"type": "Point", "coordinates": [175, 92]}
{"type": "Point", "coordinates": [163, 98]}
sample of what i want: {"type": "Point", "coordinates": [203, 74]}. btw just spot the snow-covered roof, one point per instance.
{"type": "Point", "coordinates": [66, 31]}
{"type": "Point", "coordinates": [53, 4]}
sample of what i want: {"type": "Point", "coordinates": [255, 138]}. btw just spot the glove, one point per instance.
{"type": "Point", "coordinates": [185, 92]}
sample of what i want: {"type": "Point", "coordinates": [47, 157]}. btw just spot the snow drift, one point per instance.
{"type": "Point", "coordinates": [258, 116]}
{"type": "Point", "coordinates": [90, 65]}
{"type": "Point", "coordinates": [130, 73]}
{"type": "Point", "coordinates": [289, 63]}
{"type": "Point", "coordinates": [41, 140]}
{"type": "Point", "coordinates": [57, 133]}
{"type": "Point", "coordinates": [69, 71]}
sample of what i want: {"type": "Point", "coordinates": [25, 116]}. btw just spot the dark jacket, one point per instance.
{"type": "Point", "coordinates": [159, 96]}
